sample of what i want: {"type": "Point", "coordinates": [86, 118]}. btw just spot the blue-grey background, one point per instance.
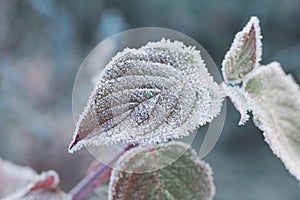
{"type": "Point", "coordinates": [42, 44]}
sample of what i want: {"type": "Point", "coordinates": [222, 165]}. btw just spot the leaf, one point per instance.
{"type": "Point", "coordinates": [17, 182]}
{"type": "Point", "coordinates": [13, 177]}
{"type": "Point", "coordinates": [274, 99]}
{"type": "Point", "coordinates": [239, 101]}
{"type": "Point", "coordinates": [186, 178]}
{"type": "Point", "coordinates": [158, 92]}
{"type": "Point", "coordinates": [244, 54]}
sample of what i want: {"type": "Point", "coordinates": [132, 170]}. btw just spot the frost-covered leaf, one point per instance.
{"type": "Point", "coordinates": [17, 182]}
{"type": "Point", "coordinates": [239, 101]}
{"type": "Point", "coordinates": [244, 54]}
{"type": "Point", "coordinates": [158, 92]}
{"type": "Point", "coordinates": [274, 99]}
{"type": "Point", "coordinates": [13, 177]}
{"type": "Point", "coordinates": [187, 178]}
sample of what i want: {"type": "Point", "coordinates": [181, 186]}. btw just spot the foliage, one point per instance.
{"type": "Point", "coordinates": [145, 81]}
{"type": "Point", "coordinates": [271, 95]}
{"type": "Point", "coordinates": [23, 183]}
{"type": "Point", "coordinates": [186, 178]}
{"type": "Point", "coordinates": [161, 92]}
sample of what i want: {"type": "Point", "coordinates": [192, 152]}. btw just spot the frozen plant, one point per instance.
{"type": "Point", "coordinates": [163, 91]}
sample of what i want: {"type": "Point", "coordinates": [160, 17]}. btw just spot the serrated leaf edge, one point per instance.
{"type": "Point", "coordinates": [270, 138]}
{"type": "Point", "coordinates": [238, 41]}
{"type": "Point", "coordinates": [187, 127]}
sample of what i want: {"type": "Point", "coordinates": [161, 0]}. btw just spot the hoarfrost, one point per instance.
{"type": "Point", "coordinates": [244, 54]}
{"type": "Point", "coordinates": [149, 95]}
{"type": "Point", "coordinates": [235, 94]}
{"type": "Point", "coordinates": [274, 99]}
{"type": "Point", "coordinates": [187, 177]}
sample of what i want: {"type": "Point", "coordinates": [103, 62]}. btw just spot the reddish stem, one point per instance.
{"type": "Point", "coordinates": [97, 177]}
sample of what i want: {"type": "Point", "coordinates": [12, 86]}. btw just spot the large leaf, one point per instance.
{"type": "Point", "coordinates": [244, 54]}
{"type": "Point", "coordinates": [187, 178]}
{"type": "Point", "coordinates": [148, 95]}
{"type": "Point", "coordinates": [274, 99]}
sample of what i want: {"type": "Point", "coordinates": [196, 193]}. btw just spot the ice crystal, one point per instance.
{"type": "Point", "coordinates": [274, 99]}
{"type": "Point", "coordinates": [158, 92]}
{"type": "Point", "coordinates": [186, 178]}
{"type": "Point", "coordinates": [244, 54]}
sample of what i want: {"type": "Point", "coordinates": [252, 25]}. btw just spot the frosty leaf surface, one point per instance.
{"type": "Point", "coordinates": [187, 178]}
{"type": "Point", "coordinates": [244, 54]}
{"type": "Point", "coordinates": [158, 92]}
{"type": "Point", "coordinates": [274, 99]}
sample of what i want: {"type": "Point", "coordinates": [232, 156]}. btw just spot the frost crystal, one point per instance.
{"type": "Point", "coordinates": [244, 54]}
{"type": "Point", "coordinates": [158, 92]}
{"type": "Point", "coordinates": [274, 99]}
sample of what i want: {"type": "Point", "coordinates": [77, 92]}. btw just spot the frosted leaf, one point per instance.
{"type": "Point", "coordinates": [158, 92]}
{"type": "Point", "coordinates": [13, 177]}
{"type": "Point", "coordinates": [274, 99]}
{"type": "Point", "coordinates": [17, 182]}
{"type": "Point", "coordinates": [239, 101]}
{"type": "Point", "coordinates": [244, 54]}
{"type": "Point", "coordinates": [187, 178]}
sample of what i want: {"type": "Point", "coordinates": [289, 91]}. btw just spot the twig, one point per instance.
{"type": "Point", "coordinates": [89, 183]}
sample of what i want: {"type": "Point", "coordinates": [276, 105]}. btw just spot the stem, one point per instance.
{"type": "Point", "coordinates": [89, 183]}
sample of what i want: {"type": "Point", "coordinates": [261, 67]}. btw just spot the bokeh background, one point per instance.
{"type": "Point", "coordinates": [42, 44]}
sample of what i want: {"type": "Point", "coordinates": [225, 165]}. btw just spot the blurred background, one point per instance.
{"type": "Point", "coordinates": [42, 44]}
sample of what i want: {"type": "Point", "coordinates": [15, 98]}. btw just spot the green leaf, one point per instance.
{"type": "Point", "coordinates": [187, 178]}
{"type": "Point", "coordinates": [274, 99]}
{"type": "Point", "coordinates": [244, 54]}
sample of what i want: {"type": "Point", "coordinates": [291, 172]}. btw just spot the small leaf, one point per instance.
{"type": "Point", "coordinates": [244, 54]}
{"type": "Point", "coordinates": [274, 99]}
{"type": "Point", "coordinates": [186, 178]}
{"type": "Point", "coordinates": [158, 92]}
{"type": "Point", "coordinates": [239, 101]}
{"type": "Point", "coordinates": [19, 182]}
{"type": "Point", "coordinates": [14, 177]}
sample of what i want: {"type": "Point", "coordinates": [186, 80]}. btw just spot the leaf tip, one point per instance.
{"type": "Point", "coordinates": [256, 32]}
{"type": "Point", "coordinates": [74, 145]}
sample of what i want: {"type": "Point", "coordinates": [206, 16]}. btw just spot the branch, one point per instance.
{"type": "Point", "coordinates": [99, 176]}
